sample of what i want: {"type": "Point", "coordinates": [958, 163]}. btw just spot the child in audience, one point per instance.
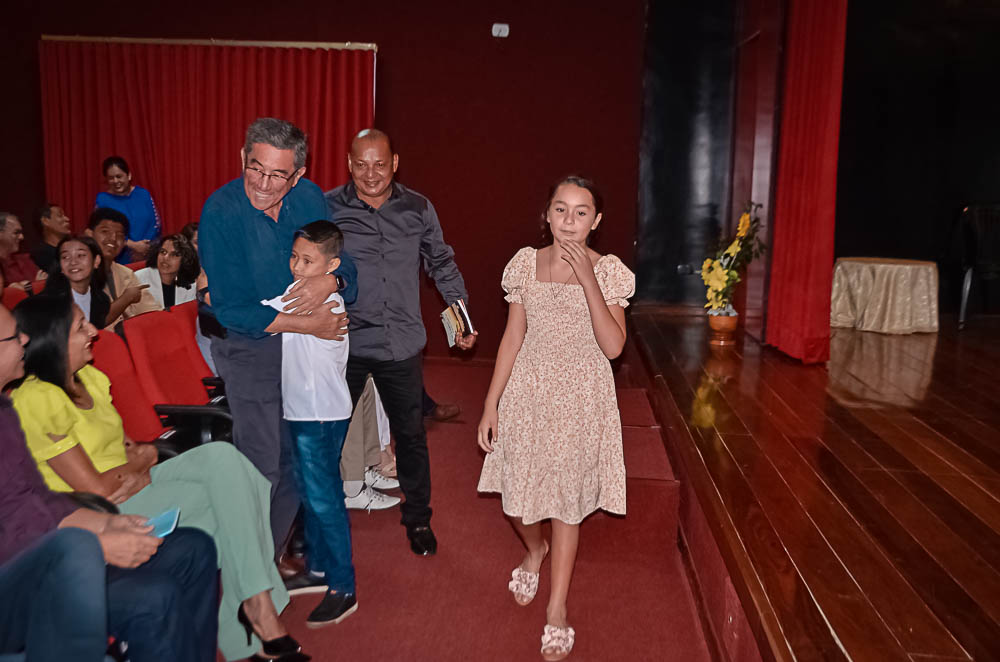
{"type": "Point", "coordinates": [317, 406]}
{"type": "Point", "coordinates": [109, 227]}
{"type": "Point", "coordinates": [171, 270]}
{"type": "Point", "coordinates": [79, 271]}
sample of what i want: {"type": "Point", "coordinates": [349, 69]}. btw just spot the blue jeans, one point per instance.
{"type": "Point", "coordinates": [54, 600]}
{"type": "Point", "coordinates": [166, 608]}
{"type": "Point", "coordinates": [317, 447]}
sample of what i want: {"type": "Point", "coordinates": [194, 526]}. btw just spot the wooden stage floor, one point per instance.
{"type": "Point", "coordinates": [856, 506]}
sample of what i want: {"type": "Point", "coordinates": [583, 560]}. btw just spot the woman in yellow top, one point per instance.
{"type": "Point", "coordinates": [76, 438]}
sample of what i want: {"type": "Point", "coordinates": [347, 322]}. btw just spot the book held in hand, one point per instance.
{"type": "Point", "coordinates": [455, 319]}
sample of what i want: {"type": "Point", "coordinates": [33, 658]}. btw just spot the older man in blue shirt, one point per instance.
{"type": "Point", "coordinates": [245, 242]}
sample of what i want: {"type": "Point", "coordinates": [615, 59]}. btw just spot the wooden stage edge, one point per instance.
{"type": "Point", "coordinates": [841, 512]}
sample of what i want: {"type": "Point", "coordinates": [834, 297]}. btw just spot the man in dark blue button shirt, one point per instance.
{"type": "Point", "coordinates": [391, 230]}
{"type": "Point", "coordinates": [245, 242]}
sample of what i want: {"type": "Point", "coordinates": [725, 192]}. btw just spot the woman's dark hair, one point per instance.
{"type": "Point", "coordinates": [58, 283]}
{"type": "Point", "coordinates": [98, 278]}
{"type": "Point", "coordinates": [575, 180]}
{"type": "Point", "coordinates": [190, 230]}
{"type": "Point", "coordinates": [46, 318]}
{"type": "Point", "coordinates": [190, 267]}
{"type": "Point", "coordinates": [582, 182]}
{"type": "Point", "coordinates": [112, 161]}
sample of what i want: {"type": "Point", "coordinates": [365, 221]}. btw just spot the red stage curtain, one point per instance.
{"type": "Point", "coordinates": [798, 321]}
{"type": "Point", "coordinates": [178, 112]}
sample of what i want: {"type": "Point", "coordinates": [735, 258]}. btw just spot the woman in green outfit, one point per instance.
{"type": "Point", "coordinates": [76, 438]}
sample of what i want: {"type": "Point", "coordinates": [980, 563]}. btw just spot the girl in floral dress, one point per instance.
{"type": "Point", "coordinates": [550, 424]}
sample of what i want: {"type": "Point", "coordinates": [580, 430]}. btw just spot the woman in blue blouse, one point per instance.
{"type": "Point", "coordinates": [133, 201]}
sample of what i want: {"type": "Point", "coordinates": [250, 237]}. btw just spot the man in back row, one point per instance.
{"type": "Point", "coordinates": [389, 230]}
{"type": "Point", "coordinates": [54, 225]}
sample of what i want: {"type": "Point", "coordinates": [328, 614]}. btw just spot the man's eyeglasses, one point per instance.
{"type": "Point", "coordinates": [261, 175]}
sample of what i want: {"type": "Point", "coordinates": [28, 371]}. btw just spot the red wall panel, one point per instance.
{"type": "Point", "coordinates": [482, 125]}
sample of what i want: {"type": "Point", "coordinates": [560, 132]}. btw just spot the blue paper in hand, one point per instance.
{"type": "Point", "coordinates": [164, 523]}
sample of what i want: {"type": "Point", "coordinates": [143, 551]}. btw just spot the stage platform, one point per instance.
{"type": "Point", "coordinates": [841, 512]}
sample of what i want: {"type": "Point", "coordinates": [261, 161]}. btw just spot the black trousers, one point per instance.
{"type": "Point", "coordinates": [400, 385]}
{"type": "Point", "coordinates": [60, 601]}
{"type": "Point", "coordinates": [251, 369]}
{"type": "Point", "coordinates": [167, 608]}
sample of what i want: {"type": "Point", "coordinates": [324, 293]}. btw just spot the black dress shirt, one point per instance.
{"type": "Point", "coordinates": [388, 246]}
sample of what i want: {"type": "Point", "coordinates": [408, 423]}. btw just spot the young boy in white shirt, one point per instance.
{"type": "Point", "coordinates": [317, 406]}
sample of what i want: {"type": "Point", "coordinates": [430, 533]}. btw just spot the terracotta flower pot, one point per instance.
{"type": "Point", "coordinates": [723, 327]}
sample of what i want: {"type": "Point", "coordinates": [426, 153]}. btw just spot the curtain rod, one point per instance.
{"type": "Point", "coordinates": [335, 45]}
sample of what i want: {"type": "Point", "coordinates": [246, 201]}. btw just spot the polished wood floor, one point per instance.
{"type": "Point", "coordinates": [857, 504]}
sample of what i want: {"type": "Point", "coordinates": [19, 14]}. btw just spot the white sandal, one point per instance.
{"type": "Point", "coordinates": [524, 584]}
{"type": "Point", "coordinates": [558, 641]}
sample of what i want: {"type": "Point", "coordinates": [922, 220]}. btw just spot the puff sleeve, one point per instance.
{"type": "Point", "coordinates": [516, 274]}
{"type": "Point", "coordinates": [45, 409]}
{"type": "Point", "coordinates": [617, 282]}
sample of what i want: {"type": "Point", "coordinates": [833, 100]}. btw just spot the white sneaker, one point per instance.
{"type": "Point", "coordinates": [375, 480]}
{"type": "Point", "coordinates": [369, 499]}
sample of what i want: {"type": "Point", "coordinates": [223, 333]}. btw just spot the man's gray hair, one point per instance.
{"type": "Point", "coordinates": [4, 215]}
{"type": "Point", "coordinates": [278, 134]}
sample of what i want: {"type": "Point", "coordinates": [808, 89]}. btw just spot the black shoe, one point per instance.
{"type": "Point", "coordinates": [306, 582]}
{"type": "Point", "coordinates": [422, 540]}
{"type": "Point", "coordinates": [282, 649]}
{"type": "Point", "coordinates": [334, 608]}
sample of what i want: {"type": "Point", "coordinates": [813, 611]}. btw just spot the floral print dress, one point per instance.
{"type": "Point", "coordinates": [558, 451]}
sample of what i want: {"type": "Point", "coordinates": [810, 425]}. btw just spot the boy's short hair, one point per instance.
{"type": "Point", "coordinates": [108, 214]}
{"type": "Point", "coordinates": [326, 235]}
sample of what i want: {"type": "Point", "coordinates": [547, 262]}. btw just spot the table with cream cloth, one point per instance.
{"type": "Point", "coordinates": [885, 295]}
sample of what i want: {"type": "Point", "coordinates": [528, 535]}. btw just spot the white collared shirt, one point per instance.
{"type": "Point", "coordinates": [313, 371]}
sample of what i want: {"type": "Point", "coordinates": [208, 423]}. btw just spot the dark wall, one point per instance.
{"type": "Point", "coordinates": [686, 145]}
{"type": "Point", "coordinates": [920, 136]}
{"type": "Point", "coordinates": [483, 126]}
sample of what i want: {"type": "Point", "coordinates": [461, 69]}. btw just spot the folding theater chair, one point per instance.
{"type": "Point", "coordinates": [186, 315]}
{"type": "Point", "coordinates": [167, 361]}
{"type": "Point", "coordinates": [174, 428]}
{"type": "Point", "coordinates": [12, 296]}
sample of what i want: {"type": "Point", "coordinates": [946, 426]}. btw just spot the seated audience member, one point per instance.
{"type": "Point", "coordinates": [18, 269]}
{"type": "Point", "coordinates": [60, 601]}
{"type": "Point", "coordinates": [171, 270]}
{"type": "Point", "coordinates": [77, 440]}
{"type": "Point", "coordinates": [54, 225]}
{"type": "Point", "coordinates": [133, 201]}
{"type": "Point", "coordinates": [80, 274]}
{"type": "Point", "coordinates": [109, 228]}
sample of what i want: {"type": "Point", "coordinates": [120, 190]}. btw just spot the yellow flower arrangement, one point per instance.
{"type": "Point", "coordinates": [721, 272]}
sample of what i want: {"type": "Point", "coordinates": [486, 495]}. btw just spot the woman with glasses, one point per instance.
{"type": "Point", "coordinates": [77, 440]}
{"type": "Point", "coordinates": [133, 201]}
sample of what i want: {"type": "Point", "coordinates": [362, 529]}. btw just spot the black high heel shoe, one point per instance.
{"type": "Point", "coordinates": [282, 649]}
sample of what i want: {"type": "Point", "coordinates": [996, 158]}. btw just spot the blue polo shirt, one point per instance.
{"type": "Point", "coordinates": [245, 253]}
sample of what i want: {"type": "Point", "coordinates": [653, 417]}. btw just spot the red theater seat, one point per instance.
{"type": "Point", "coordinates": [111, 356]}
{"type": "Point", "coordinates": [173, 427]}
{"type": "Point", "coordinates": [166, 359]}
{"type": "Point", "coordinates": [187, 315]}
{"type": "Point", "coordinates": [13, 296]}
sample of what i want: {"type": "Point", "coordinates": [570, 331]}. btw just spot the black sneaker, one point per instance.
{"type": "Point", "coordinates": [334, 608]}
{"type": "Point", "coordinates": [305, 582]}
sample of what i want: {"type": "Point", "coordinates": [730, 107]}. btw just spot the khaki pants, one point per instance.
{"type": "Point", "coordinates": [367, 435]}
